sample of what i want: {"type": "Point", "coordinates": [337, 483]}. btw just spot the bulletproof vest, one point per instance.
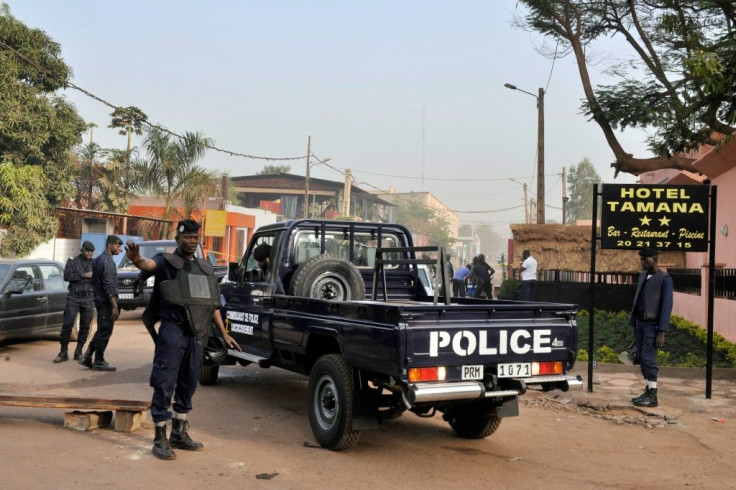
{"type": "Point", "coordinates": [194, 288]}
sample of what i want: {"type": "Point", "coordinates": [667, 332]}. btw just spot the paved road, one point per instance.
{"type": "Point", "coordinates": [255, 428]}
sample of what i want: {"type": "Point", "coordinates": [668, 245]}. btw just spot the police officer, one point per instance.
{"type": "Point", "coordinates": [105, 286]}
{"type": "Point", "coordinates": [78, 273]}
{"type": "Point", "coordinates": [179, 349]}
{"type": "Point", "coordinates": [650, 317]}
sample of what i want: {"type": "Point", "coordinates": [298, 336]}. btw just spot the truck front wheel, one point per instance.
{"type": "Point", "coordinates": [330, 404]}
{"type": "Point", "coordinates": [474, 427]}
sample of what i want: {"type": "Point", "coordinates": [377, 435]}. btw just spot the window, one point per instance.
{"type": "Point", "coordinates": [53, 277]}
{"type": "Point", "coordinates": [307, 243]}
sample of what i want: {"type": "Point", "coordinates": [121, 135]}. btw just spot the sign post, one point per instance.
{"type": "Point", "coordinates": [664, 217]}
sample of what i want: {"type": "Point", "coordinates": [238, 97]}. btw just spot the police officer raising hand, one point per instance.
{"type": "Point", "coordinates": [184, 322]}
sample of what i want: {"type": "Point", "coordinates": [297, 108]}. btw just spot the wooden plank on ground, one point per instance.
{"type": "Point", "coordinates": [73, 402]}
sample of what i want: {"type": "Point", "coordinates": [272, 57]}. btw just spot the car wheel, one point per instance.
{"type": "Point", "coordinates": [475, 427]}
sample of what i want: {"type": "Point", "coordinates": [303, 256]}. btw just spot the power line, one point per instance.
{"type": "Point", "coordinates": [113, 106]}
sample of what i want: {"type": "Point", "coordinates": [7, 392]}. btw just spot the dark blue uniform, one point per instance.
{"type": "Point", "coordinates": [178, 356]}
{"type": "Point", "coordinates": [653, 303]}
{"type": "Point", "coordinates": [105, 286]}
{"type": "Point", "coordinates": [79, 300]}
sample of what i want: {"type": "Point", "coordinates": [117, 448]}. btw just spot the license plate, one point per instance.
{"type": "Point", "coordinates": [125, 296]}
{"type": "Point", "coordinates": [515, 370]}
{"type": "Point", "coordinates": [472, 372]}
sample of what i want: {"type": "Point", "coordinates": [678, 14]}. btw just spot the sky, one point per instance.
{"type": "Point", "coordinates": [407, 94]}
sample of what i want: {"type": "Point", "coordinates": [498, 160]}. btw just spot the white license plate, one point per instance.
{"type": "Point", "coordinates": [472, 372]}
{"type": "Point", "coordinates": [125, 296]}
{"type": "Point", "coordinates": [515, 370]}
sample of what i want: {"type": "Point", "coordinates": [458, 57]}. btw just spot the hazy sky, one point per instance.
{"type": "Point", "coordinates": [393, 90]}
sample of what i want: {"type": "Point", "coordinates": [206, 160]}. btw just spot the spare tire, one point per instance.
{"type": "Point", "coordinates": [328, 277]}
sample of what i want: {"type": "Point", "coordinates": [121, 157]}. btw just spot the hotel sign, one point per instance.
{"type": "Point", "coordinates": [665, 217]}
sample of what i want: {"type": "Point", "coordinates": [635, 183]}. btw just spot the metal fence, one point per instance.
{"type": "Point", "coordinates": [686, 280]}
{"type": "Point", "coordinates": [725, 284]}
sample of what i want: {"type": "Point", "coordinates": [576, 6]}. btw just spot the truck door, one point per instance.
{"type": "Point", "coordinates": [247, 315]}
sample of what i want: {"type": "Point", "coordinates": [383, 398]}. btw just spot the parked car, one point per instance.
{"type": "Point", "coordinates": [32, 298]}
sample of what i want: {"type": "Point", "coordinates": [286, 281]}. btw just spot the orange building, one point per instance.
{"type": "Point", "coordinates": [226, 229]}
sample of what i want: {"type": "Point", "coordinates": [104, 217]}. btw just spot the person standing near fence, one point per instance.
{"type": "Point", "coordinates": [482, 272]}
{"type": "Point", "coordinates": [528, 275]}
{"type": "Point", "coordinates": [650, 317]}
{"type": "Point", "coordinates": [80, 299]}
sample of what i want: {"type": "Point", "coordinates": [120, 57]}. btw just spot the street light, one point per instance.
{"type": "Point", "coordinates": [540, 148]}
{"type": "Point", "coordinates": [306, 180]}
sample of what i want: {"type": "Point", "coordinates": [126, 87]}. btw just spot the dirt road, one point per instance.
{"type": "Point", "coordinates": [256, 433]}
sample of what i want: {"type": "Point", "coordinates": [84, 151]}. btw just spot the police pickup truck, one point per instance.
{"type": "Point", "coordinates": [356, 319]}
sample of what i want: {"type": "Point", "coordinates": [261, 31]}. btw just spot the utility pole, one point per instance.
{"type": "Point", "coordinates": [306, 180]}
{"type": "Point", "coordinates": [540, 148]}
{"type": "Point", "coordinates": [346, 193]}
{"type": "Point", "coordinates": [526, 207]}
{"type": "Point", "coordinates": [564, 197]}
{"type": "Point", "coordinates": [540, 157]}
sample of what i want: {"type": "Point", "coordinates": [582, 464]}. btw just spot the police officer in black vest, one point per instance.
{"type": "Point", "coordinates": [78, 273]}
{"type": "Point", "coordinates": [650, 317]}
{"type": "Point", "coordinates": [187, 301]}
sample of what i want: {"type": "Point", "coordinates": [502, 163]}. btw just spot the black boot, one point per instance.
{"type": "Point", "coordinates": [62, 356]}
{"type": "Point", "coordinates": [180, 437]}
{"type": "Point", "coordinates": [648, 400]}
{"type": "Point", "coordinates": [78, 352]}
{"type": "Point", "coordinates": [161, 448]}
{"type": "Point", "coordinates": [86, 360]}
{"type": "Point", "coordinates": [642, 396]}
{"type": "Point", "coordinates": [100, 363]}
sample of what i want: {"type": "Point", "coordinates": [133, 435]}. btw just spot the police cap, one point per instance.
{"type": "Point", "coordinates": [187, 226]}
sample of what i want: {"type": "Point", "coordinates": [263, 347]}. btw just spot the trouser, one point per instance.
{"type": "Point", "coordinates": [483, 286]}
{"type": "Point", "coordinates": [105, 325]}
{"type": "Point", "coordinates": [175, 373]}
{"type": "Point", "coordinates": [458, 288]}
{"type": "Point", "coordinates": [646, 348]}
{"type": "Point", "coordinates": [86, 309]}
{"type": "Point", "coordinates": [527, 290]}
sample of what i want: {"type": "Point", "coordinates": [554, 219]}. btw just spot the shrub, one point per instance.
{"type": "Point", "coordinates": [509, 288]}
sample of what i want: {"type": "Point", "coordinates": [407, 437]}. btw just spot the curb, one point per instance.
{"type": "Point", "coordinates": [667, 372]}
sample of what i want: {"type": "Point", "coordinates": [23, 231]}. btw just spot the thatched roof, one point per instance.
{"type": "Point", "coordinates": [568, 248]}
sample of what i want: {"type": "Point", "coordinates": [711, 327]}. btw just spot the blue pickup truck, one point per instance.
{"type": "Point", "coordinates": [342, 303]}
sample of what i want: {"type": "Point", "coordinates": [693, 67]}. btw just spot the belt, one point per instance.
{"type": "Point", "coordinates": [645, 318]}
{"type": "Point", "coordinates": [81, 294]}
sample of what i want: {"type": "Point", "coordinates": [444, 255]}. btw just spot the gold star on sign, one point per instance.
{"type": "Point", "coordinates": [645, 221]}
{"type": "Point", "coordinates": [664, 221]}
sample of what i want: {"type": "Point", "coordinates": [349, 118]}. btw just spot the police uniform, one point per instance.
{"type": "Point", "coordinates": [79, 300]}
{"type": "Point", "coordinates": [178, 355]}
{"type": "Point", "coordinates": [184, 298]}
{"type": "Point", "coordinates": [650, 316]}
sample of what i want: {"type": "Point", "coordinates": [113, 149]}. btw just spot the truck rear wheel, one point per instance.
{"type": "Point", "coordinates": [208, 375]}
{"type": "Point", "coordinates": [328, 277]}
{"type": "Point", "coordinates": [330, 404]}
{"type": "Point", "coordinates": [475, 427]}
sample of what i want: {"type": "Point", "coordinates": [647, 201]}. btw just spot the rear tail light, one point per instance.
{"type": "Point", "coordinates": [436, 373]}
{"type": "Point", "coordinates": [547, 367]}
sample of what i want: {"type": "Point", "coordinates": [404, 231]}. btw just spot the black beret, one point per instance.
{"type": "Point", "coordinates": [187, 226]}
{"type": "Point", "coordinates": [87, 245]}
{"type": "Point", "coordinates": [648, 252]}
{"type": "Point", "coordinates": [262, 251]}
